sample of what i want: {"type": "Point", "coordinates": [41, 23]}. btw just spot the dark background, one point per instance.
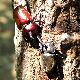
{"type": "Point", "coordinates": [7, 55]}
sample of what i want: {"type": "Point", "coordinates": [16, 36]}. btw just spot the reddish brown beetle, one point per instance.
{"type": "Point", "coordinates": [23, 20]}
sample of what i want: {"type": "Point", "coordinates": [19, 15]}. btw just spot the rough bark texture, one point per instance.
{"type": "Point", "coordinates": [62, 28]}
{"type": "Point", "coordinates": [28, 60]}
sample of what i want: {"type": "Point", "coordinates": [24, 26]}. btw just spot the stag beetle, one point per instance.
{"type": "Point", "coordinates": [26, 24]}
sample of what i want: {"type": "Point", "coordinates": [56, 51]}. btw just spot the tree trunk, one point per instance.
{"type": "Point", "coordinates": [61, 27]}
{"type": "Point", "coordinates": [29, 64]}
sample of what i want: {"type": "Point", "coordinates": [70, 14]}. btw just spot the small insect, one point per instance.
{"type": "Point", "coordinates": [23, 20]}
{"type": "Point", "coordinates": [26, 24]}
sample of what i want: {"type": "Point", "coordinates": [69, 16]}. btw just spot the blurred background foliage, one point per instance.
{"type": "Point", "coordinates": [7, 55]}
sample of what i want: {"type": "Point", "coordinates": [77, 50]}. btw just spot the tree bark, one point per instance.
{"type": "Point", "coordinates": [62, 28]}
{"type": "Point", "coordinates": [29, 64]}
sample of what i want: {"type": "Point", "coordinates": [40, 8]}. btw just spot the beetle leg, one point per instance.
{"type": "Point", "coordinates": [30, 34]}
